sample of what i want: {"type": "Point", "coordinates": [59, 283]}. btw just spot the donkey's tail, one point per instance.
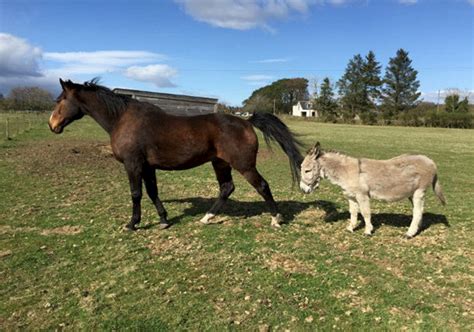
{"type": "Point", "coordinates": [274, 129]}
{"type": "Point", "coordinates": [438, 191]}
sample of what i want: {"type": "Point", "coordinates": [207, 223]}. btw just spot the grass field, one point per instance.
{"type": "Point", "coordinates": [65, 262]}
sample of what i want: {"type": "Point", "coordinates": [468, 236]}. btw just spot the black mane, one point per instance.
{"type": "Point", "coordinates": [116, 104]}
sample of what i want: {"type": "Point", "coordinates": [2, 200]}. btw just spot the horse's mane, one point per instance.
{"type": "Point", "coordinates": [116, 103]}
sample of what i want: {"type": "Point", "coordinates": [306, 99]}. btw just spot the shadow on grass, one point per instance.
{"type": "Point", "coordinates": [392, 219]}
{"type": "Point", "coordinates": [288, 209]}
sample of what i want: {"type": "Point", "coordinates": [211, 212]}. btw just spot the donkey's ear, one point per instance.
{"type": "Point", "coordinates": [316, 150]}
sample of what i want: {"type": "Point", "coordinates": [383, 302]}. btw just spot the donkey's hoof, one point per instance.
{"type": "Point", "coordinates": [408, 236]}
{"type": "Point", "coordinates": [276, 221]}
{"type": "Point", "coordinates": [164, 225]}
{"type": "Point", "coordinates": [350, 230]}
{"type": "Point", "coordinates": [368, 234]}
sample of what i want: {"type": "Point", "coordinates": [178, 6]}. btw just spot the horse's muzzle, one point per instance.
{"type": "Point", "coordinates": [57, 130]}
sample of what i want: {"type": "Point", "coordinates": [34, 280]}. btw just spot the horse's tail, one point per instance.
{"type": "Point", "coordinates": [438, 191]}
{"type": "Point", "coordinates": [274, 129]}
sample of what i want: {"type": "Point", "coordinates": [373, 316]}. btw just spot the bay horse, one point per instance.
{"type": "Point", "coordinates": [405, 176]}
{"type": "Point", "coordinates": [145, 138]}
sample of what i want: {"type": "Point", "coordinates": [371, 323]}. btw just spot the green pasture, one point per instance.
{"type": "Point", "coordinates": [66, 263]}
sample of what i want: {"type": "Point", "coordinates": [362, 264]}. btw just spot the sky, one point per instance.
{"type": "Point", "coordinates": [226, 49]}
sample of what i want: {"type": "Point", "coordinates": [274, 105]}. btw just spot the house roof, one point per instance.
{"type": "Point", "coordinates": [306, 104]}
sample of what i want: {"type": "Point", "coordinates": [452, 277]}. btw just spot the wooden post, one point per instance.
{"type": "Point", "coordinates": [7, 129]}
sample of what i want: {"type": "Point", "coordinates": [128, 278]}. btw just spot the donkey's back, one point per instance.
{"type": "Point", "coordinates": [397, 178]}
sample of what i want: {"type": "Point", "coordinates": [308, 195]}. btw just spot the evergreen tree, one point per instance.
{"type": "Point", "coordinates": [373, 82]}
{"type": "Point", "coordinates": [325, 102]}
{"type": "Point", "coordinates": [354, 97]}
{"type": "Point", "coordinates": [400, 91]}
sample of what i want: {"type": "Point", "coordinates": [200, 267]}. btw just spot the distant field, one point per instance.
{"type": "Point", "coordinates": [66, 263]}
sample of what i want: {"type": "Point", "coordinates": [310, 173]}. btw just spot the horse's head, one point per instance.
{"type": "Point", "coordinates": [68, 107]}
{"type": "Point", "coordinates": [311, 170]}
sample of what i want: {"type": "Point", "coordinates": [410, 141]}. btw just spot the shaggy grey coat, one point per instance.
{"type": "Point", "coordinates": [405, 176]}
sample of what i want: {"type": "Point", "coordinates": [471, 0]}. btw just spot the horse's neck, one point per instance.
{"type": "Point", "coordinates": [336, 167]}
{"type": "Point", "coordinates": [98, 110]}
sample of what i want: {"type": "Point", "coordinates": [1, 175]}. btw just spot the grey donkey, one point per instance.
{"type": "Point", "coordinates": [405, 176]}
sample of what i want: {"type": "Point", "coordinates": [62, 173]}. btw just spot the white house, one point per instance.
{"type": "Point", "coordinates": [304, 109]}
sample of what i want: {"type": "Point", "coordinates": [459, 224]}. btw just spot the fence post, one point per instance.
{"type": "Point", "coordinates": [7, 130]}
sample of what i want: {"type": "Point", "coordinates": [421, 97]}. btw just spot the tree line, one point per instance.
{"type": "Point", "coordinates": [363, 94]}
{"type": "Point", "coordinates": [27, 99]}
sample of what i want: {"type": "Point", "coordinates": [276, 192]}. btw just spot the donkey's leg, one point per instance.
{"type": "Point", "coordinates": [149, 177]}
{"type": "Point", "coordinates": [135, 179]}
{"type": "Point", "coordinates": [262, 187]}
{"type": "Point", "coordinates": [354, 210]}
{"type": "Point", "coordinates": [418, 202]}
{"type": "Point", "coordinates": [364, 204]}
{"type": "Point", "coordinates": [226, 186]}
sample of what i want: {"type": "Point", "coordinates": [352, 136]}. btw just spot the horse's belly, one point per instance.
{"type": "Point", "coordinates": [177, 162]}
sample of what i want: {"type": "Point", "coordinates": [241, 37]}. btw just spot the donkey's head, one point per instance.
{"type": "Point", "coordinates": [68, 107]}
{"type": "Point", "coordinates": [311, 170]}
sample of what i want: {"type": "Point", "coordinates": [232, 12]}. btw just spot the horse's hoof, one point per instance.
{"type": "Point", "coordinates": [164, 225]}
{"type": "Point", "coordinates": [207, 218]}
{"type": "Point", "coordinates": [129, 227]}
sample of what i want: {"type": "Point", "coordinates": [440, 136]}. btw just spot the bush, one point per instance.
{"type": "Point", "coordinates": [368, 118]}
{"type": "Point", "coordinates": [449, 120]}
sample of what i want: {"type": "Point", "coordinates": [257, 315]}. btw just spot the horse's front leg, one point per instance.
{"type": "Point", "coordinates": [135, 180]}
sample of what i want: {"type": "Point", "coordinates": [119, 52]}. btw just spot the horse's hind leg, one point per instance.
{"type": "Point", "coordinates": [149, 177]}
{"type": "Point", "coordinates": [135, 180]}
{"type": "Point", "coordinates": [262, 187]}
{"type": "Point", "coordinates": [226, 186]}
{"type": "Point", "coordinates": [418, 202]}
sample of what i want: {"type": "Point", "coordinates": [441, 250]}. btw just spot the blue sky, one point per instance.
{"type": "Point", "coordinates": [228, 48]}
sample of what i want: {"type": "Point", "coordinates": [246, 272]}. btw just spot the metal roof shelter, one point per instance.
{"type": "Point", "coordinates": [171, 103]}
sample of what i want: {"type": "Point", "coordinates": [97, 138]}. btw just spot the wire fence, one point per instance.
{"type": "Point", "coordinates": [13, 124]}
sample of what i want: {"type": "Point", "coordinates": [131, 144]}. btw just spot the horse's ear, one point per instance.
{"type": "Point", "coordinates": [66, 85]}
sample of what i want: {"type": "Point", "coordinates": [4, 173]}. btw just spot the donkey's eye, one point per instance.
{"type": "Point", "coordinates": [307, 171]}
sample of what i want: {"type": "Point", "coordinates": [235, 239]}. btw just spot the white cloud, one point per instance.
{"type": "Point", "coordinates": [158, 74]}
{"type": "Point", "coordinates": [257, 77]}
{"type": "Point", "coordinates": [436, 96]}
{"type": "Point", "coordinates": [108, 59]}
{"type": "Point", "coordinates": [18, 58]}
{"type": "Point", "coordinates": [275, 60]}
{"type": "Point", "coordinates": [243, 14]}
{"type": "Point", "coordinates": [22, 64]}
{"type": "Point", "coordinates": [471, 2]}
{"type": "Point", "coordinates": [257, 80]}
